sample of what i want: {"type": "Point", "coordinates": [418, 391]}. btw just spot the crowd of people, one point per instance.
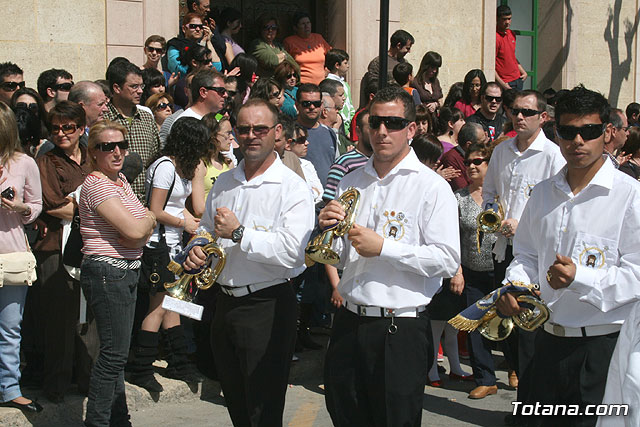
{"type": "Point", "coordinates": [104, 182]}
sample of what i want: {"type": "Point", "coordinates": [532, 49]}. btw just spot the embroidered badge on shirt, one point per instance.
{"type": "Point", "coordinates": [592, 257]}
{"type": "Point", "coordinates": [394, 227]}
{"type": "Point", "coordinates": [527, 190]}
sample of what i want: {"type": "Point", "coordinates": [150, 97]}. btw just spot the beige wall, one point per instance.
{"type": "Point", "coordinates": [67, 34]}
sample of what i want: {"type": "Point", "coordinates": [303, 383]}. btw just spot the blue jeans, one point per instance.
{"type": "Point", "coordinates": [12, 300]}
{"type": "Point", "coordinates": [517, 84]}
{"type": "Point", "coordinates": [111, 294]}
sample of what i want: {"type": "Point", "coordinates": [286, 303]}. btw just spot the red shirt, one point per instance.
{"type": "Point", "coordinates": [506, 62]}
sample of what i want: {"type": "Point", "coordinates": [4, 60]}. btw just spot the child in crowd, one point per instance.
{"type": "Point", "coordinates": [336, 61]}
{"type": "Point", "coordinates": [403, 74]}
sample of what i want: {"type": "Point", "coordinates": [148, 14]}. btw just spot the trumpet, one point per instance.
{"type": "Point", "coordinates": [489, 220]}
{"type": "Point", "coordinates": [319, 249]}
{"type": "Point", "coordinates": [189, 283]}
{"type": "Point", "coordinates": [484, 316]}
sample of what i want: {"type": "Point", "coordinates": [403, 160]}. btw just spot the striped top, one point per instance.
{"type": "Point", "coordinates": [98, 236]}
{"type": "Point", "coordinates": [348, 162]}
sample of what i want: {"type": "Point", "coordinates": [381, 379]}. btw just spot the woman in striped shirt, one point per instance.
{"type": "Point", "coordinates": [114, 227]}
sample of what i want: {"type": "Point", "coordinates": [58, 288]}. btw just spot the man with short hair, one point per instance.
{"type": "Point", "coordinates": [262, 213]}
{"type": "Point", "coordinates": [470, 133]}
{"type": "Point", "coordinates": [91, 97]}
{"type": "Point", "coordinates": [10, 80]}
{"type": "Point", "coordinates": [336, 91]}
{"type": "Point", "coordinates": [400, 44]}
{"type": "Point", "coordinates": [633, 114]}
{"type": "Point", "coordinates": [322, 140]}
{"type": "Point", "coordinates": [328, 112]}
{"type": "Point", "coordinates": [615, 135]}
{"type": "Point", "coordinates": [125, 80]}
{"type": "Point", "coordinates": [168, 122]}
{"type": "Point", "coordinates": [577, 239]}
{"type": "Point", "coordinates": [208, 94]}
{"type": "Point", "coordinates": [54, 86]}
{"type": "Point", "coordinates": [509, 72]}
{"type": "Point", "coordinates": [487, 115]}
{"type": "Point", "coordinates": [337, 62]}
{"type": "Point", "coordinates": [289, 159]}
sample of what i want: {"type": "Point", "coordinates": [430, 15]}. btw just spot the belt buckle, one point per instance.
{"type": "Point", "coordinates": [389, 312]}
{"type": "Point", "coordinates": [362, 310]}
{"type": "Point", "coordinates": [558, 330]}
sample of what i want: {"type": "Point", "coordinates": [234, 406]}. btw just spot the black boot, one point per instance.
{"type": "Point", "coordinates": [180, 367]}
{"type": "Point", "coordinates": [140, 370]}
{"type": "Point", "coordinates": [304, 335]}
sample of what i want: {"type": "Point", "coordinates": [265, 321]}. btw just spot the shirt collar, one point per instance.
{"type": "Point", "coordinates": [409, 163]}
{"type": "Point", "coordinates": [272, 174]}
{"type": "Point", "coordinates": [335, 77]}
{"type": "Point", "coordinates": [114, 111]}
{"type": "Point", "coordinates": [603, 178]}
{"type": "Point", "coordinates": [537, 144]}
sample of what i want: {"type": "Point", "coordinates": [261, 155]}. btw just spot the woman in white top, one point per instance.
{"type": "Point", "coordinates": [181, 170]}
{"type": "Point", "coordinates": [299, 146]}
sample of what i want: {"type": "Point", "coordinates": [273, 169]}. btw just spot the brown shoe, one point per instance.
{"type": "Point", "coordinates": [513, 379]}
{"type": "Point", "coordinates": [483, 391]}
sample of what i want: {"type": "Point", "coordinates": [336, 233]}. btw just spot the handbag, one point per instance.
{"type": "Point", "coordinates": [18, 268]}
{"type": "Point", "coordinates": [154, 260]}
{"type": "Point", "coordinates": [72, 241]}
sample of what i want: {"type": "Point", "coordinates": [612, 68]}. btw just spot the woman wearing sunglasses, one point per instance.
{"type": "Point", "coordinates": [114, 227]}
{"type": "Point", "coordinates": [161, 107]}
{"type": "Point", "coordinates": [194, 33]}
{"type": "Point", "coordinates": [62, 170]}
{"type": "Point", "coordinates": [31, 115]}
{"type": "Point", "coordinates": [288, 77]}
{"type": "Point", "coordinates": [221, 141]}
{"type": "Point", "coordinates": [269, 52]}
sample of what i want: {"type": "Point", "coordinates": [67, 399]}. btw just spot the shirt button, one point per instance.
{"type": "Point", "coordinates": [564, 230]}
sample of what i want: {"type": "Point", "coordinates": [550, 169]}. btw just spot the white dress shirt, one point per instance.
{"type": "Point", "coordinates": [598, 229]}
{"type": "Point", "coordinates": [512, 174]}
{"type": "Point", "coordinates": [415, 211]}
{"type": "Point", "coordinates": [311, 176]}
{"type": "Point", "coordinates": [278, 215]}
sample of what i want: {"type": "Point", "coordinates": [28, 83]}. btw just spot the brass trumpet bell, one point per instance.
{"type": "Point", "coordinates": [490, 219]}
{"type": "Point", "coordinates": [496, 328]}
{"type": "Point", "coordinates": [319, 249]}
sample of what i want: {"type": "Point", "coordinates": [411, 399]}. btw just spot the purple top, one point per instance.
{"type": "Point", "coordinates": [446, 146]}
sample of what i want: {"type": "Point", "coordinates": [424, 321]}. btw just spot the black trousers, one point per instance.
{"type": "Point", "coordinates": [570, 371]}
{"type": "Point", "coordinates": [477, 284]}
{"type": "Point", "coordinates": [253, 339]}
{"type": "Point", "coordinates": [373, 377]}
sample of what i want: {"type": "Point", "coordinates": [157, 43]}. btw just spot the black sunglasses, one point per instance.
{"type": "Point", "coordinates": [195, 26]}
{"type": "Point", "coordinates": [108, 147]}
{"type": "Point", "coordinates": [476, 162]}
{"type": "Point", "coordinates": [390, 122]}
{"type": "Point", "coordinates": [258, 131]}
{"type": "Point", "coordinates": [67, 129]}
{"type": "Point", "coordinates": [587, 132]}
{"type": "Point", "coordinates": [11, 86]}
{"type": "Point", "coordinates": [65, 87]}
{"type": "Point", "coordinates": [218, 89]}
{"type": "Point", "coordinates": [307, 104]}
{"type": "Point", "coordinates": [155, 49]}
{"type": "Point", "coordinates": [31, 106]}
{"type": "Point", "coordinates": [300, 140]}
{"type": "Point", "coordinates": [292, 75]}
{"type": "Point", "coordinates": [526, 112]}
{"type": "Point", "coordinates": [232, 93]}
{"type": "Point", "coordinates": [270, 27]}
{"type": "Point", "coordinates": [275, 94]}
{"type": "Point", "coordinates": [162, 106]}
{"type": "Point", "coordinates": [490, 98]}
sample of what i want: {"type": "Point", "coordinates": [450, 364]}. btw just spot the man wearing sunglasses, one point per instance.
{"type": "Point", "coordinates": [208, 94]}
{"type": "Point", "coordinates": [578, 239]}
{"type": "Point", "coordinates": [615, 136]}
{"type": "Point", "coordinates": [10, 80]}
{"type": "Point", "coordinates": [54, 86]}
{"type": "Point", "coordinates": [405, 239]}
{"type": "Point", "coordinates": [487, 115]}
{"type": "Point", "coordinates": [262, 213]}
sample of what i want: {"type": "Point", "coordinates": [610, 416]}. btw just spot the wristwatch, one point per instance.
{"type": "Point", "coordinates": [236, 235]}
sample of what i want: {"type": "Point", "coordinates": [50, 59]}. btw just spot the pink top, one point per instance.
{"type": "Point", "coordinates": [466, 109]}
{"type": "Point", "coordinates": [22, 173]}
{"type": "Point", "coordinates": [98, 236]}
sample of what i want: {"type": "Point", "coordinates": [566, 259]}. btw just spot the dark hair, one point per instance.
{"type": "Point", "coordinates": [541, 102]}
{"type": "Point", "coordinates": [283, 70]}
{"type": "Point", "coordinates": [395, 93]}
{"type": "Point", "coordinates": [430, 59]}
{"type": "Point", "coordinates": [633, 141]}
{"type": "Point", "coordinates": [468, 78]}
{"type": "Point", "coordinates": [423, 113]}
{"type": "Point", "coordinates": [117, 72]}
{"type": "Point", "coordinates": [487, 85]}
{"type": "Point", "coordinates": [329, 86]}
{"type": "Point", "coordinates": [187, 143]}
{"type": "Point", "coordinates": [360, 117]}
{"type": "Point", "coordinates": [47, 79]}
{"type": "Point", "coordinates": [401, 72]}
{"type": "Point", "coordinates": [307, 88]}
{"type": "Point", "coordinates": [298, 16]}
{"type": "Point", "coordinates": [67, 110]}
{"type": "Point", "coordinates": [156, 39]}
{"type": "Point", "coordinates": [503, 10]}
{"type": "Point", "coordinates": [248, 65]}
{"type": "Point", "coordinates": [151, 78]}
{"type": "Point", "coordinates": [9, 69]}
{"type": "Point", "coordinates": [481, 148]}
{"type": "Point", "coordinates": [370, 88]}
{"type": "Point", "coordinates": [31, 124]}
{"type": "Point", "coordinates": [203, 78]}
{"type": "Point", "coordinates": [447, 114]}
{"type": "Point", "coordinates": [288, 125]}
{"type": "Point", "coordinates": [615, 118]}
{"type": "Point", "coordinates": [632, 108]}
{"type": "Point", "coordinates": [508, 96]}
{"type": "Point", "coordinates": [228, 14]}
{"type": "Point", "coordinates": [454, 95]}
{"type": "Point", "coordinates": [262, 88]}
{"type": "Point", "coordinates": [263, 20]}
{"type": "Point", "coordinates": [213, 124]}
{"type": "Point", "coordinates": [335, 57]}
{"type": "Point", "coordinates": [582, 101]}
{"type": "Point", "coordinates": [401, 37]}
{"type": "Point", "coordinates": [106, 89]}
{"type": "Point", "coordinates": [258, 102]}
{"type": "Point", "coordinates": [469, 133]}
{"type": "Point", "coordinates": [197, 53]}
{"type": "Point", "coordinates": [427, 147]}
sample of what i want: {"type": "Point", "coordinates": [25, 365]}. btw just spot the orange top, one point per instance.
{"type": "Point", "coordinates": [309, 54]}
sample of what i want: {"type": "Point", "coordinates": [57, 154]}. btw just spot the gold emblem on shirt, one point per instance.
{"type": "Point", "coordinates": [592, 257]}
{"type": "Point", "coordinates": [394, 227]}
{"type": "Point", "coordinates": [527, 190]}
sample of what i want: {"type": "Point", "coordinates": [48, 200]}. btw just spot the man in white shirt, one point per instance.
{"type": "Point", "coordinates": [263, 214]}
{"type": "Point", "coordinates": [577, 238]}
{"type": "Point", "coordinates": [394, 259]}
{"type": "Point", "coordinates": [208, 94]}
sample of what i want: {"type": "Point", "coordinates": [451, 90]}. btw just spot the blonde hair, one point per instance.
{"type": "Point", "coordinates": [9, 136]}
{"type": "Point", "coordinates": [95, 132]}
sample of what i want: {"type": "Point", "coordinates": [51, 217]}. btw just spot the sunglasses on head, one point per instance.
{"type": "Point", "coordinates": [67, 129]}
{"type": "Point", "coordinates": [195, 26]}
{"type": "Point", "coordinates": [218, 89]}
{"type": "Point", "coordinates": [162, 106]}
{"type": "Point", "coordinates": [259, 131]}
{"type": "Point", "coordinates": [108, 147]}
{"type": "Point", "coordinates": [526, 112]}
{"type": "Point", "coordinates": [157, 50]}
{"type": "Point", "coordinates": [11, 86]}
{"type": "Point", "coordinates": [476, 162]}
{"type": "Point", "coordinates": [65, 87]}
{"type": "Point", "coordinates": [307, 104]}
{"type": "Point", "coordinates": [490, 98]}
{"type": "Point", "coordinates": [390, 122]}
{"type": "Point", "coordinates": [587, 132]}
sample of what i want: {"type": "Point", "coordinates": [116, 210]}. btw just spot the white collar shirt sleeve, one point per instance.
{"type": "Point", "coordinates": [597, 228]}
